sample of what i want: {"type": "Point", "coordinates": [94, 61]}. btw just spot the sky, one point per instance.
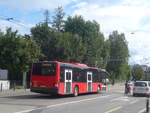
{"type": "Point", "coordinates": [131, 17]}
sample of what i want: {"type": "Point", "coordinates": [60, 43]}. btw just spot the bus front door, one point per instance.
{"type": "Point", "coordinates": [68, 81]}
{"type": "Point", "coordinates": [89, 81]}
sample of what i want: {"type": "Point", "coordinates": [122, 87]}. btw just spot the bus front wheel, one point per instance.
{"type": "Point", "coordinates": [76, 91]}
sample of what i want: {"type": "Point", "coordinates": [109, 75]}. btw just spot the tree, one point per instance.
{"type": "Point", "coordinates": [58, 20]}
{"type": "Point", "coordinates": [119, 54]}
{"type": "Point", "coordinates": [47, 39]}
{"type": "Point", "coordinates": [94, 47]}
{"type": "Point", "coordinates": [92, 38]}
{"type": "Point", "coordinates": [72, 47]}
{"type": "Point", "coordinates": [105, 54]}
{"type": "Point", "coordinates": [17, 53]}
{"type": "Point", "coordinates": [47, 20]}
{"type": "Point", "coordinates": [85, 29]}
{"type": "Point", "coordinates": [137, 72]}
{"type": "Point", "coordinates": [75, 25]}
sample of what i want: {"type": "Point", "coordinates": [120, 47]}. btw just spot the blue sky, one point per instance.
{"type": "Point", "coordinates": [126, 16]}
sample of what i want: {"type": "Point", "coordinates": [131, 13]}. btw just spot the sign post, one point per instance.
{"type": "Point", "coordinates": [25, 80]}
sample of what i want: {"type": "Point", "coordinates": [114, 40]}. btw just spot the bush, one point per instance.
{"type": "Point", "coordinates": [19, 87]}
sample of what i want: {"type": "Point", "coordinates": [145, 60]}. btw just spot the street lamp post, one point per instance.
{"type": "Point", "coordinates": [147, 104]}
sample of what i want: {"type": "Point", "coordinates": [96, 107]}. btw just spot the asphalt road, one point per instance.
{"type": "Point", "coordinates": [113, 101]}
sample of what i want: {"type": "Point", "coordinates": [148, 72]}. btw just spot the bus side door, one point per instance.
{"type": "Point", "coordinates": [89, 81]}
{"type": "Point", "coordinates": [68, 81]}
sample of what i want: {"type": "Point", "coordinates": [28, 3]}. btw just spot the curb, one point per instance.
{"type": "Point", "coordinates": [14, 92]}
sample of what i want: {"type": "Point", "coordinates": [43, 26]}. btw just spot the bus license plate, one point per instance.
{"type": "Point", "coordinates": [42, 86]}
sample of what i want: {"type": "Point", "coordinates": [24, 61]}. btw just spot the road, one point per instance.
{"type": "Point", "coordinates": [113, 101]}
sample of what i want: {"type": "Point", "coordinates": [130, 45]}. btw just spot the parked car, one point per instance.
{"type": "Point", "coordinates": [141, 87]}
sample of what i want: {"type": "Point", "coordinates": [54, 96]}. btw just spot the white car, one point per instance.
{"type": "Point", "coordinates": [141, 87]}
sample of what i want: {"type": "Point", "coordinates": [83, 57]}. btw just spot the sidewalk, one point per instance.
{"type": "Point", "coordinates": [116, 87]}
{"type": "Point", "coordinates": [15, 92]}
{"type": "Point", "coordinates": [12, 92]}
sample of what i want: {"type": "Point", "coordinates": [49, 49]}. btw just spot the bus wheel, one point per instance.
{"type": "Point", "coordinates": [76, 92]}
{"type": "Point", "coordinates": [98, 89]}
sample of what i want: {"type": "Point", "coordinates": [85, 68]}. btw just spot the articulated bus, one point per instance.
{"type": "Point", "coordinates": [53, 77]}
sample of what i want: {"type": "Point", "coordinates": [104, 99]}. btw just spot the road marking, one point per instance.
{"type": "Point", "coordinates": [76, 101]}
{"type": "Point", "coordinates": [133, 101]}
{"type": "Point", "coordinates": [120, 98]}
{"type": "Point", "coordinates": [25, 111]}
{"type": "Point", "coordinates": [114, 109]}
{"type": "Point", "coordinates": [55, 105]}
{"type": "Point", "coordinates": [142, 111]}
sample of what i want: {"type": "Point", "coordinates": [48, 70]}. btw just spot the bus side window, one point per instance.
{"type": "Point", "coordinates": [78, 75]}
{"type": "Point", "coordinates": [95, 76]}
{"type": "Point", "coordinates": [103, 77]}
{"type": "Point", "coordinates": [62, 74]}
{"type": "Point", "coordinates": [74, 75]}
{"type": "Point", "coordinates": [84, 75]}
{"type": "Point", "coordinates": [100, 76]}
{"type": "Point", "coordinates": [81, 76]}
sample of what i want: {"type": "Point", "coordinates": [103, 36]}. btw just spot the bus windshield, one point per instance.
{"type": "Point", "coordinates": [44, 69]}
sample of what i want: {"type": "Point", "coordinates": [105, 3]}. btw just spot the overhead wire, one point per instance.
{"type": "Point", "coordinates": [12, 20]}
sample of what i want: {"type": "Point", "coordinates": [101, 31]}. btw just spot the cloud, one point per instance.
{"type": "Point", "coordinates": [35, 4]}
{"type": "Point", "coordinates": [113, 16]}
{"type": "Point", "coordinates": [21, 28]}
{"type": "Point", "coordinates": [139, 47]}
{"type": "Point", "coordinates": [25, 9]}
{"type": "Point", "coordinates": [144, 3]}
{"type": "Point", "coordinates": [125, 16]}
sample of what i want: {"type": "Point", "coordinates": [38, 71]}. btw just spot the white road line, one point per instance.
{"type": "Point", "coordinates": [25, 111]}
{"type": "Point", "coordinates": [120, 98]}
{"type": "Point", "coordinates": [77, 101]}
{"type": "Point", "coordinates": [133, 102]}
{"type": "Point", "coordinates": [55, 105]}
{"type": "Point", "coordinates": [141, 111]}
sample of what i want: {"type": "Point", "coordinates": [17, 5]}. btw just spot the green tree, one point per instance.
{"type": "Point", "coordinates": [94, 47]}
{"type": "Point", "coordinates": [47, 20]}
{"type": "Point", "coordinates": [47, 39]}
{"type": "Point", "coordinates": [17, 53]}
{"type": "Point", "coordinates": [92, 38]}
{"type": "Point", "coordinates": [119, 54]}
{"type": "Point", "coordinates": [71, 47]}
{"type": "Point", "coordinates": [58, 20]}
{"type": "Point", "coordinates": [75, 25]}
{"type": "Point", "coordinates": [85, 29]}
{"type": "Point", "coordinates": [105, 54]}
{"type": "Point", "coordinates": [137, 72]}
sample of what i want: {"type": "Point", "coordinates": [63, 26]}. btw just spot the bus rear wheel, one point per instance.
{"type": "Point", "coordinates": [76, 91]}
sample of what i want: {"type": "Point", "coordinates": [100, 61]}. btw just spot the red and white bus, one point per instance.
{"type": "Point", "coordinates": [53, 77]}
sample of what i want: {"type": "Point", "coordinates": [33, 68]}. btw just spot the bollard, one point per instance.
{"type": "Point", "coordinates": [1, 87]}
{"type": "Point", "coordinates": [147, 104]}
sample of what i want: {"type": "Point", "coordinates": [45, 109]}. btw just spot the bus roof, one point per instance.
{"type": "Point", "coordinates": [78, 64]}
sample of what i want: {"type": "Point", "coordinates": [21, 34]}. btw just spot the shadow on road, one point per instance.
{"type": "Point", "coordinates": [46, 96]}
